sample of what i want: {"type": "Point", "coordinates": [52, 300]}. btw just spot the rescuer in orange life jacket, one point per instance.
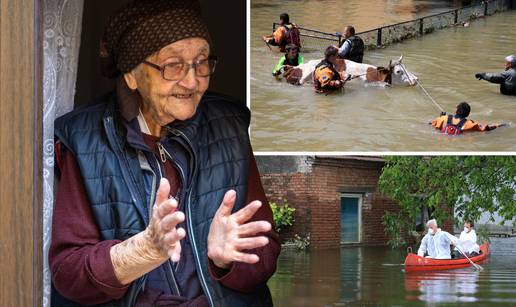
{"type": "Point", "coordinates": [326, 78]}
{"type": "Point", "coordinates": [287, 33]}
{"type": "Point", "coordinates": [458, 123]}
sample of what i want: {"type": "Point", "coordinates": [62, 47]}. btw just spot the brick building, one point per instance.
{"type": "Point", "coordinates": [336, 198]}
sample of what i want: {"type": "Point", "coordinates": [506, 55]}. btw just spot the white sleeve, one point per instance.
{"type": "Point", "coordinates": [422, 248]}
{"type": "Point", "coordinates": [473, 236]}
{"type": "Point", "coordinates": [462, 235]}
{"type": "Point", "coordinates": [453, 239]}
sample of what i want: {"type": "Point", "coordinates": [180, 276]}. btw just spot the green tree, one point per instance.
{"type": "Point", "coordinates": [468, 185]}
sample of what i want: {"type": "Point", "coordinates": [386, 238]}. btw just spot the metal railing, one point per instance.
{"type": "Point", "coordinates": [382, 36]}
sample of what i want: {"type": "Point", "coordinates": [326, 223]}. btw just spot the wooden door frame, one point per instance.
{"type": "Point", "coordinates": [37, 202]}
{"type": "Point", "coordinates": [21, 147]}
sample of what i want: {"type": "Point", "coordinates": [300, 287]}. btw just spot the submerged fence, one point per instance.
{"type": "Point", "coordinates": [316, 40]}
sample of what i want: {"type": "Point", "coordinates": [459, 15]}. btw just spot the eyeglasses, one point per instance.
{"type": "Point", "coordinates": [177, 71]}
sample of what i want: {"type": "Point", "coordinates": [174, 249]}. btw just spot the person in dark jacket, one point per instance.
{"type": "Point", "coordinates": [506, 79]}
{"type": "Point", "coordinates": [353, 46]}
{"type": "Point", "coordinates": [159, 201]}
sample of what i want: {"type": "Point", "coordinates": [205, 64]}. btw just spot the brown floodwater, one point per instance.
{"type": "Point", "coordinates": [290, 118]}
{"type": "Point", "coordinates": [373, 276]}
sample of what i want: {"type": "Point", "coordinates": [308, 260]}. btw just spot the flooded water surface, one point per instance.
{"type": "Point", "coordinates": [373, 276]}
{"type": "Point", "coordinates": [368, 118]}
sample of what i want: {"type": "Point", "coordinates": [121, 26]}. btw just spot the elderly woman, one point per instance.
{"type": "Point", "coordinates": [159, 200]}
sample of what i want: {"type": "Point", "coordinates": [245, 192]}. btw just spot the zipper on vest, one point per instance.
{"type": "Point", "coordinates": [181, 174]}
{"type": "Point", "coordinates": [196, 254]}
{"type": "Point", "coordinates": [167, 154]}
{"type": "Point", "coordinates": [189, 148]}
{"type": "Point", "coordinates": [140, 284]}
{"type": "Point", "coordinates": [169, 262]}
{"type": "Point", "coordinates": [153, 200]}
{"type": "Point", "coordinates": [161, 175]}
{"type": "Point", "coordinates": [204, 284]}
{"type": "Point", "coordinates": [161, 150]}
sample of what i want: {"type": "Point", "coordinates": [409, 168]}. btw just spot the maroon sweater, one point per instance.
{"type": "Point", "coordinates": [81, 264]}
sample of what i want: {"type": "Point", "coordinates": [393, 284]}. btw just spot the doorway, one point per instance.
{"type": "Point", "coordinates": [350, 218]}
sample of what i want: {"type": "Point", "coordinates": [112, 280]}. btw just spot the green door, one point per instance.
{"type": "Point", "coordinates": [350, 219]}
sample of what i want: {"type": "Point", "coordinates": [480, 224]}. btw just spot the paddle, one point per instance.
{"type": "Point", "coordinates": [476, 266]}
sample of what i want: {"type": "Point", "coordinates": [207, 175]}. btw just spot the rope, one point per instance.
{"type": "Point", "coordinates": [432, 99]}
{"type": "Point", "coordinates": [424, 90]}
{"type": "Point", "coordinates": [351, 77]}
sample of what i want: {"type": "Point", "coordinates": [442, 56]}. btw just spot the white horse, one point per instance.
{"type": "Point", "coordinates": [395, 74]}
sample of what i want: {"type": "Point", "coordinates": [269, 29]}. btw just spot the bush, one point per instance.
{"type": "Point", "coordinates": [395, 226]}
{"type": "Point", "coordinates": [283, 216]}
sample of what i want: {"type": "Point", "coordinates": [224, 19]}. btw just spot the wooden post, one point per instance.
{"type": "Point", "coordinates": [421, 26]}
{"type": "Point", "coordinates": [21, 110]}
{"type": "Point", "coordinates": [456, 16]}
{"type": "Point", "coordinates": [485, 8]}
{"type": "Point", "coordinates": [379, 38]}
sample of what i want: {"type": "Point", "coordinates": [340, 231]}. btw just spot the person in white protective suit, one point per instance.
{"type": "Point", "coordinates": [436, 243]}
{"type": "Point", "coordinates": [468, 240]}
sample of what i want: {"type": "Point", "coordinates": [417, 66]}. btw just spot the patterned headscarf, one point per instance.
{"type": "Point", "coordinates": [144, 27]}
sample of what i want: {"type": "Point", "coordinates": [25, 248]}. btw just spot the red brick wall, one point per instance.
{"type": "Point", "coordinates": [330, 178]}
{"type": "Point", "coordinates": [293, 188]}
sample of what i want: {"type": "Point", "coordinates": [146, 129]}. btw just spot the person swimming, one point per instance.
{"type": "Point", "coordinates": [459, 123]}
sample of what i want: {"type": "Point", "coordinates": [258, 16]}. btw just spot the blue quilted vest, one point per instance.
{"type": "Point", "coordinates": [218, 143]}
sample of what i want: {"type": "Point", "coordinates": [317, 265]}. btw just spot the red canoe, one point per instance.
{"type": "Point", "coordinates": [415, 263]}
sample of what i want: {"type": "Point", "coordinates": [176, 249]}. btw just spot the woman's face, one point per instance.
{"type": "Point", "coordinates": [166, 101]}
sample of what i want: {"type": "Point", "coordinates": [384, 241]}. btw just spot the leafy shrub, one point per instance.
{"type": "Point", "coordinates": [283, 216]}
{"type": "Point", "coordinates": [395, 227]}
